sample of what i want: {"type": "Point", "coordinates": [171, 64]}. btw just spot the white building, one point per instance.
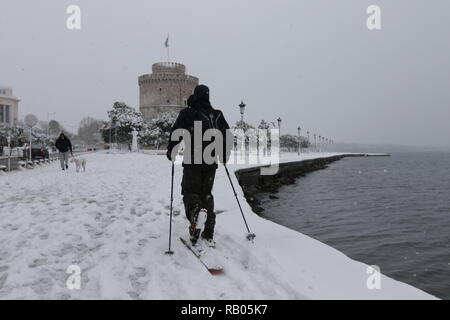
{"type": "Point", "coordinates": [9, 106]}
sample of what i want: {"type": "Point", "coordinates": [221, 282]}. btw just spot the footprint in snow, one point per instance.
{"type": "Point", "coordinates": [123, 255]}
{"type": "Point", "coordinates": [38, 263]}
{"type": "Point", "coordinates": [136, 284]}
{"type": "Point", "coordinates": [42, 286]}
{"type": "Point", "coordinates": [142, 242]}
{"type": "Point", "coordinates": [43, 236]}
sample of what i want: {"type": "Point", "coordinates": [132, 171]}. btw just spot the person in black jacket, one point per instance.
{"type": "Point", "coordinates": [199, 173]}
{"type": "Point", "coordinates": [64, 145]}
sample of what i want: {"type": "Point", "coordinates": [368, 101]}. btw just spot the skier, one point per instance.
{"type": "Point", "coordinates": [198, 176]}
{"type": "Point", "coordinates": [64, 145]}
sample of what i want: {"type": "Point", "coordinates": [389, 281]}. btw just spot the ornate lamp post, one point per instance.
{"type": "Point", "coordinates": [309, 142]}
{"type": "Point", "coordinates": [279, 120]}
{"type": "Point", "coordinates": [242, 110]}
{"type": "Point", "coordinates": [315, 142]}
{"type": "Point", "coordinates": [9, 152]}
{"type": "Point", "coordinates": [299, 140]}
{"type": "Point", "coordinates": [31, 120]}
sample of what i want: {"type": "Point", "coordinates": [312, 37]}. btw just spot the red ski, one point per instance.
{"type": "Point", "coordinates": [215, 271]}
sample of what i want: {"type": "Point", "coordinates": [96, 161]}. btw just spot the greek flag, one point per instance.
{"type": "Point", "coordinates": [167, 42]}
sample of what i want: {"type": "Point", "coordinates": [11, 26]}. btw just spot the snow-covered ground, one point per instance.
{"type": "Point", "coordinates": [112, 221]}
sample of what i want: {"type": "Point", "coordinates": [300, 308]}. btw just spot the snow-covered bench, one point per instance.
{"type": "Point", "coordinates": [3, 168]}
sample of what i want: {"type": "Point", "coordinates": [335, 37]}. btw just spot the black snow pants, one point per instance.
{"type": "Point", "coordinates": [196, 188]}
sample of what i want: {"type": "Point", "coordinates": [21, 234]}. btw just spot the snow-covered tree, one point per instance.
{"type": "Point", "coordinates": [290, 142]}
{"type": "Point", "coordinates": [123, 120]}
{"type": "Point", "coordinates": [157, 131]}
{"type": "Point", "coordinates": [243, 126]}
{"type": "Point", "coordinates": [264, 125]}
{"type": "Point", "coordinates": [17, 132]}
{"type": "Point", "coordinates": [20, 135]}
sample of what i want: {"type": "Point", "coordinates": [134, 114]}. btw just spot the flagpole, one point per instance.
{"type": "Point", "coordinates": [168, 48]}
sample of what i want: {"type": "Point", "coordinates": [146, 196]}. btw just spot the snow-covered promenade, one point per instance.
{"type": "Point", "coordinates": [112, 221]}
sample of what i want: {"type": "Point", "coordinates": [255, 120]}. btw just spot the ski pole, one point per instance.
{"type": "Point", "coordinates": [250, 235]}
{"type": "Point", "coordinates": [170, 252]}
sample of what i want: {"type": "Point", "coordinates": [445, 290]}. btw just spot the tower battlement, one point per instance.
{"type": "Point", "coordinates": [168, 67]}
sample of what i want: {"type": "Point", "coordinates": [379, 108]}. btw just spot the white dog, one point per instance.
{"type": "Point", "coordinates": [79, 162]}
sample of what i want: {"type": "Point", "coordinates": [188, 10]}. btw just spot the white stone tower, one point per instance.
{"type": "Point", "coordinates": [165, 90]}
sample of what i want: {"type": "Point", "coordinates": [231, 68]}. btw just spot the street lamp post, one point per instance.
{"type": "Point", "coordinates": [309, 142]}
{"type": "Point", "coordinates": [9, 153]}
{"type": "Point", "coordinates": [299, 140]}
{"type": "Point", "coordinates": [110, 138]}
{"type": "Point", "coordinates": [31, 120]}
{"type": "Point", "coordinates": [315, 142]}
{"type": "Point", "coordinates": [242, 110]}
{"type": "Point", "coordinates": [279, 120]}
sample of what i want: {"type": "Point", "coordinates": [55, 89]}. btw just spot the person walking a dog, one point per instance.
{"type": "Point", "coordinates": [198, 176]}
{"type": "Point", "coordinates": [64, 146]}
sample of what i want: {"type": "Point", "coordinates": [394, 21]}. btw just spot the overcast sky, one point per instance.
{"type": "Point", "coordinates": [313, 63]}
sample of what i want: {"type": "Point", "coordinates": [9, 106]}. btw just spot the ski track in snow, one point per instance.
{"type": "Point", "coordinates": [112, 221]}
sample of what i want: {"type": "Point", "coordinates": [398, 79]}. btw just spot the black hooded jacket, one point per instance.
{"type": "Point", "coordinates": [202, 111]}
{"type": "Point", "coordinates": [63, 145]}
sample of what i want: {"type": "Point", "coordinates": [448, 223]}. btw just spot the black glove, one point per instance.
{"type": "Point", "coordinates": [169, 155]}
